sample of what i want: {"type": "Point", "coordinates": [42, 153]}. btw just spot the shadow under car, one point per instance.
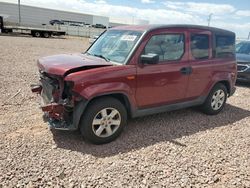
{"type": "Point", "coordinates": [149, 130]}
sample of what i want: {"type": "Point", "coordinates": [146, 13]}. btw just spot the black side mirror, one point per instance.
{"type": "Point", "coordinates": [150, 58]}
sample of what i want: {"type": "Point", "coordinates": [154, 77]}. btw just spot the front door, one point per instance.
{"type": "Point", "coordinates": [165, 82]}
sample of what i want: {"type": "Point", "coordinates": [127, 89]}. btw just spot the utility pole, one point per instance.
{"type": "Point", "coordinates": [19, 12]}
{"type": "Point", "coordinates": [209, 19]}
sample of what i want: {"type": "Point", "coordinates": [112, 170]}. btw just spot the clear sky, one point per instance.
{"type": "Point", "coordinates": [231, 14]}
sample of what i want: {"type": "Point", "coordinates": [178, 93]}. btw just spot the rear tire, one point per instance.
{"type": "Point", "coordinates": [216, 100]}
{"type": "Point", "coordinates": [103, 120]}
{"type": "Point", "coordinates": [37, 34]}
{"type": "Point", "coordinates": [46, 35]}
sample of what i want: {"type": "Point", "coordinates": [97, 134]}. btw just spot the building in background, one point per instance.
{"type": "Point", "coordinates": [114, 21]}
{"type": "Point", "coordinates": [31, 15]}
{"type": "Point", "coordinates": [73, 23]}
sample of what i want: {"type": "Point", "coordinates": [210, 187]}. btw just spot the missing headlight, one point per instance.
{"type": "Point", "coordinates": [67, 91]}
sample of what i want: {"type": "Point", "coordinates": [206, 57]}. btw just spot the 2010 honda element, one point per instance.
{"type": "Point", "coordinates": [131, 71]}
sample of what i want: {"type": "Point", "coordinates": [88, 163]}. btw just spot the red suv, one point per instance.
{"type": "Point", "coordinates": [133, 71]}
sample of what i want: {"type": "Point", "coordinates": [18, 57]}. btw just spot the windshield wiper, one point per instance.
{"type": "Point", "coordinates": [99, 55]}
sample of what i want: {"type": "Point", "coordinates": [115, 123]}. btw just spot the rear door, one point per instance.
{"type": "Point", "coordinates": [164, 82]}
{"type": "Point", "coordinates": [201, 61]}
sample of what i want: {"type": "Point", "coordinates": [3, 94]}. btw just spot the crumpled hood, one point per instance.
{"type": "Point", "coordinates": [66, 63]}
{"type": "Point", "coordinates": [243, 58]}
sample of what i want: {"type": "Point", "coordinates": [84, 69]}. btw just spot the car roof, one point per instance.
{"type": "Point", "coordinates": [150, 27]}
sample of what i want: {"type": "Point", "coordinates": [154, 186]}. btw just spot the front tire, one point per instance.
{"type": "Point", "coordinates": [103, 120]}
{"type": "Point", "coordinates": [216, 100]}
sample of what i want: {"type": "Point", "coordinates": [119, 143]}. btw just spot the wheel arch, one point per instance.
{"type": "Point", "coordinates": [207, 107]}
{"type": "Point", "coordinates": [226, 83]}
{"type": "Point", "coordinates": [84, 104]}
{"type": "Point", "coordinates": [122, 97]}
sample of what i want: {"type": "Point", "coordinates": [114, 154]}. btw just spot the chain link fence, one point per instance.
{"type": "Point", "coordinates": [81, 31]}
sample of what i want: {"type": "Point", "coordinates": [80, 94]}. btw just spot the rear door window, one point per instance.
{"type": "Point", "coordinates": [225, 46]}
{"type": "Point", "coordinates": [200, 46]}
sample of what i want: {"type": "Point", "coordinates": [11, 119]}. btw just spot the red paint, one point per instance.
{"type": "Point", "coordinates": [111, 79]}
{"type": "Point", "coordinates": [145, 85]}
{"type": "Point", "coordinates": [36, 89]}
{"type": "Point", "coordinates": [55, 110]}
{"type": "Point", "coordinates": [60, 64]}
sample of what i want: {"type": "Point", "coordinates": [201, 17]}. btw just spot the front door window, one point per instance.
{"type": "Point", "coordinates": [169, 47]}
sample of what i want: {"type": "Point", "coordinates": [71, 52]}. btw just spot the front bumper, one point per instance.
{"type": "Point", "coordinates": [52, 110]}
{"type": "Point", "coordinates": [57, 115]}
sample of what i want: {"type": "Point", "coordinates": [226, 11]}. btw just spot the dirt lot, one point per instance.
{"type": "Point", "coordinates": [184, 148]}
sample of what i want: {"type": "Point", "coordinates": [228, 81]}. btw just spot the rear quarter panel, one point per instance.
{"type": "Point", "coordinates": [223, 70]}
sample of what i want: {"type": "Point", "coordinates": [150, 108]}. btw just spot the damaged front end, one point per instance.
{"type": "Point", "coordinates": [62, 108]}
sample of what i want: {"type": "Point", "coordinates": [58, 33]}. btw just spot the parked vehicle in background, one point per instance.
{"type": "Point", "coordinates": [93, 39]}
{"type": "Point", "coordinates": [73, 23]}
{"type": "Point", "coordinates": [88, 25]}
{"type": "Point", "coordinates": [99, 26]}
{"type": "Point", "coordinates": [69, 22]}
{"type": "Point", "coordinates": [133, 71]}
{"type": "Point", "coordinates": [34, 31]}
{"type": "Point", "coordinates": [243, 60]}
{"type": "Point", "coordinates": [58, 22]}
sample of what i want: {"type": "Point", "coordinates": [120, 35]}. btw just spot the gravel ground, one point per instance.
{"type": "Point", "coordinates": [184, 148]}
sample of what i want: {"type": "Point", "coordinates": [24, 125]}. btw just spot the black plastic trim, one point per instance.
{"type": "Point", "coordinates": [232, 91]}
{"type": "Point", "coordinates": [77, 113]}
{"type": "Point", "coordinates": [169, 107]}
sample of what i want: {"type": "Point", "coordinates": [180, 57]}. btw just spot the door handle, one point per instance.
{"type": "Point", "coordinates": [186, 70]}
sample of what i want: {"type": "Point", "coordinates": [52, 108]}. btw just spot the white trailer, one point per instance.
{"type": "Point", "coordinates": [34, 31]}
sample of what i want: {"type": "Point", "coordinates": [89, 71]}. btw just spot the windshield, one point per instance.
{"type": "Point", "coordinates": [243, 48]}
{"type": "Point", "coordinates": [115, 45]}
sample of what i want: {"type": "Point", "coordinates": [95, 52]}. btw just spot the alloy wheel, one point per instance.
{"type": "Point", "coordinates": [106, 122]}
{"type": "Point", "coordinates": [218, 99]}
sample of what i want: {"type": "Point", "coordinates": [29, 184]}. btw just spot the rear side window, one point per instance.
{"type": "Point", "coordinates": [224, 46]}
{"type": "Point", "coordinates": [200, 46]}
{"type": "Point", "coordinates": [169, 47]}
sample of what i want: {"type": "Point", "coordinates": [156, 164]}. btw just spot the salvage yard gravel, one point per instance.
{"type": "Point", "coordinates": [184, 148]}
